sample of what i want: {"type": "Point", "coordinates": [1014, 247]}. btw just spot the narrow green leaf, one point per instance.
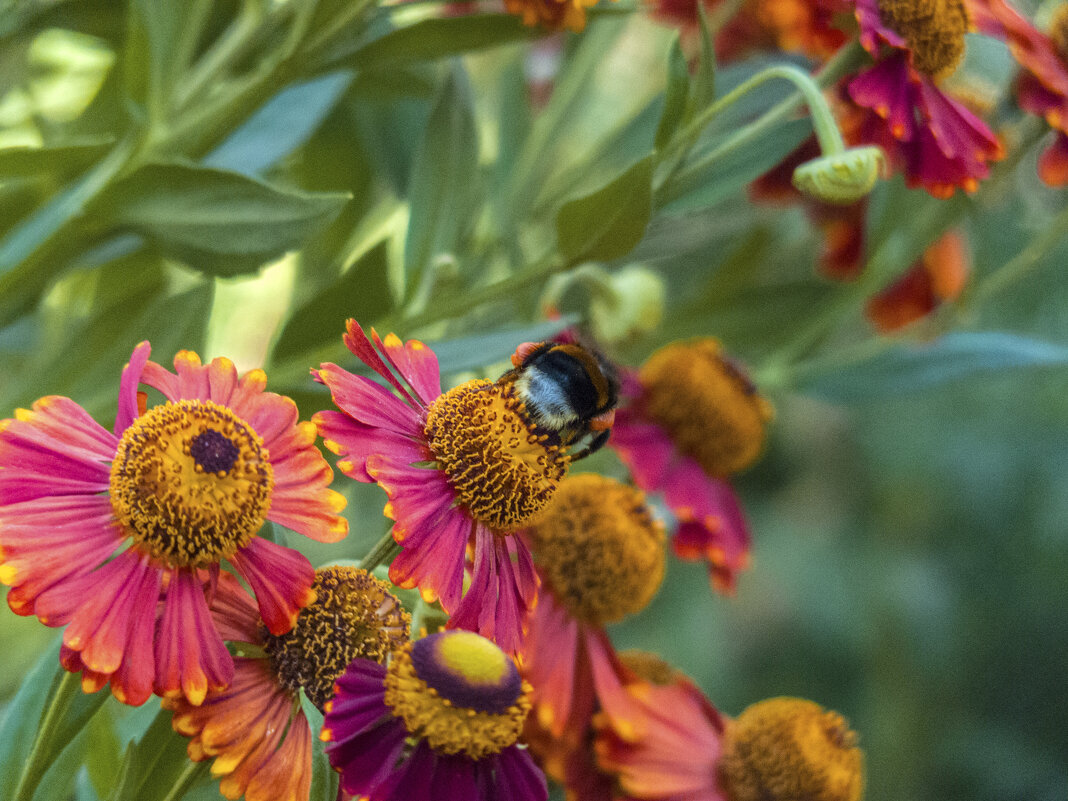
{"type": "Point", "coordinates": [676, 95]}
{"type": "Point", "coordinates": [282, 125]}
{"type": "Point", "coordinates": [444, 186]}
{"type": "Point", "coordinates": [221, 222]}
{"type": "Point", "coordinates": [608, 223]}
{"type": "Point", "coordinates": [704, 85]}
{"type": "Point", "coordinates": [908, 368]}
{"type": "Point", "coordinates": [157, 766]}
{"type": "Point", "coordinates": [479, 350]}
{"type": "Point", "coordinates": [324, 778]}
{"type": "Point", "coordinates": [362, 292]}
{"type": "Point", "coordinates": [57, 161]}
{"type": "Point", "coordinates": [50, 720]}
{"type": "Point", "coordinates": [160, 41]}
{"type": "Point", "coordinates": [432, 39]}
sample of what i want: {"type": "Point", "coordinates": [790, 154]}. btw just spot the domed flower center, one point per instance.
{"type": "Point", "coordinates": [191, 482]}
{"type": "Point", "coordinates": [354, 615]}
{"type": "Point", "coordinates": [1058, 31]}
{"type": "Point", "coordinates": [649, 667]}
{"type": "Point", "coordinates": [789, 748]}
{"type": "Point", "coordinates": [503, 473]}
{"type": "Point", "coordinates": [705, 403]}
{"type": "Point", "coordinates": [933, 30]}
{"type": "Point", "coordinates": [599, 549]}
{"type": "Point", "coordinates": [459, 692]}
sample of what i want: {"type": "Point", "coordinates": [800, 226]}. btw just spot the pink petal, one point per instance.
{"type": "Point", "coordinates": [127, 410]}
{"type": "Point", "coordinates": [190, 656]}
{"type": "Point", "coordinates": [371, 403]}
{"type": "Point", "coordinates": [280, 578]}
{"type": "Point", "coordinates": [416, 363]}
{"type": "Point", "coordinates": [356, 341]}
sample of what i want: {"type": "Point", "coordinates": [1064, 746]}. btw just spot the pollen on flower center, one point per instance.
{"type": "Point", "coordinates": [191, 482]}
{"type": "Point", "coordinates": [933, 29]}
{"type": "Point", "coordinates": [353, 615]}
{"type": "Point", "coordinates": [459, 692]}
{"type": "Point", "coordinates": [599, 549]}
{"type": "Point", "coordinates": [711, 411]}
{"type": "Point", "coordinates": [503, 472]}
{"type": "Point", "coordinates": [788, 748]}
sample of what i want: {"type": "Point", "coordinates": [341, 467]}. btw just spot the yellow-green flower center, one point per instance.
{"type": "Point", "coordinates": [503, 472]}
{"type": "Point", "coordinates": [705, 403]}
{"type": "Point", "coordinates": [353, 615]}
{"type": "Point", "coordinates": [784, 749]}
{"type": "Point", "coordinates": [191, 482]}
{"type": "Point", "coordinates": [599, 549]}
{"type": "Point", "coordinates": [933, 29]}
{"type": "Point", "coordinates": [459, 692]}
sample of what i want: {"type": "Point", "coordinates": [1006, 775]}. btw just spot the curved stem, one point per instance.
{"type": "Point", "coordinates": [846, 60]}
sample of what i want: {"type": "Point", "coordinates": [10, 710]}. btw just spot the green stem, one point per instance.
{"type": "Point", "coordinates": [190, 775]}
{"type": "Point", "coordinates": [383, 551]}
{"type": "Point", "coordinates": [678, 182]}
{"type": "Point", "coordinates": [32, 770]}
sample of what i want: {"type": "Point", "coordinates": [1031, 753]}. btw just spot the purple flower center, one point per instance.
{"type": "Point", "coordinates": [466, 672]}
{"type": "Point", "coordinates": [213, 451]}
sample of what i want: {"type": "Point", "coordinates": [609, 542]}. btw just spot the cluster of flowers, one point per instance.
{"type": "Point", "coordinates": [908, 98]}
{"type": "Point", "coordinates": [122, 535]}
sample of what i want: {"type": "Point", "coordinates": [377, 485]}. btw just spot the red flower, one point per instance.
{"type": "Point", "coordinates": [1042, 88]}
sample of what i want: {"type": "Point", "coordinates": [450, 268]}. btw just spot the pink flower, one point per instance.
{"type": "Point", "coordinates": [117, 533]}
{"type": "Point", "coordinates": [932, 137]}
{"type": "Point", "coordinates": [461, 468]}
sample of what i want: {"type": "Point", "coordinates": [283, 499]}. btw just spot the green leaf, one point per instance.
{"type": "Point", "coordinates": [57, 161]}
{"type": "Point", "coordinates": [608, 223]}
{"type": "Point", "coordinates": [160, 42]}
{"type": "Point", "coordinates": [279, 127]}
{"type": "Point", "coordinates": [704, 85]}
{"type": "Point", "coordinates": [324, 778]}
{"type": "Point", "coordinates": [157, 767]}
{"type": "Point", "coordinates": [729, 174]}
{"type": "Point", "coordinates": [479, 350]}
{"type": "Point", "coordinates": [48, 712]}
{"type": "Point", "coordinates": [221, 222]}
{"type": "Point", "coordinates": [908, 368]}
{"type": "Point", "coordinates": [362, 292]}
{"type": "Point", "coordinates": [438, 38]}
{"type": "Point", "coordinates": [676, 95]}
{"type": "Point", "coordinates": [444, 186]}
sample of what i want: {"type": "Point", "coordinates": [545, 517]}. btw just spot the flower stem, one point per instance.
{"type": "Point", "coordinates": [381, 553]}
{"type": "Point", "coordinates": [847, 59]}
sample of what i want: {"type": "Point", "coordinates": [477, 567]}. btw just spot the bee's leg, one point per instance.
{"type": "Point", "coordinates": [595, 445]}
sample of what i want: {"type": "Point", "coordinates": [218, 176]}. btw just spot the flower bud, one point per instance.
{"type": "Point", "coordinates": [841, 178]}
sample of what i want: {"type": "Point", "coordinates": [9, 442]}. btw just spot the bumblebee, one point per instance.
{"type": "Point", "coordinates": [568, 390]}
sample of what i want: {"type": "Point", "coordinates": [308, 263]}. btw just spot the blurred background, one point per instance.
{"type": "Point", "coordinates": [910, 550]}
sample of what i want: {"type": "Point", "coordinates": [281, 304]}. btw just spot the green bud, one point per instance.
{"type": "Point", "coordinates": [841, 178]}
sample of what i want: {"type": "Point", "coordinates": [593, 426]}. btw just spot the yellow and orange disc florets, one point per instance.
{"type": "Point", "coordinates": [459, 692]}
{"type": "Point", "coordinates": [191, 482]}
{"type": "Point", "coordinates": [784, 749]}
{"type": "Point", "coordinates": [503, 472]}
{"type": "Point", "coordinates": [599, 549]}
{"type": "Point", "coordinates": [707, 405]}
{"type": "Point", "coordinates": [353, 615]}
{"type": "Point", "coordinates": [933, 29]}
